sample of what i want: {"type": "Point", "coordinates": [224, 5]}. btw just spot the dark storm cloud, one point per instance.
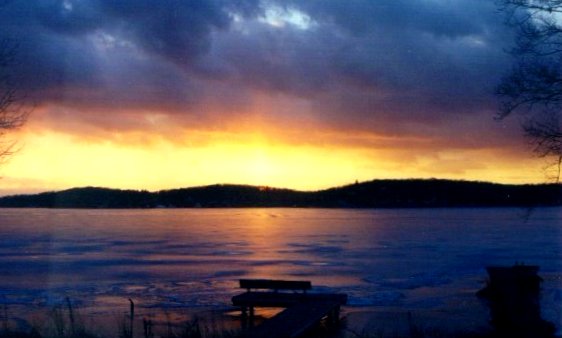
{"type": "Point", "coordinates": [119, 48]}
{"type": "Point", "coordinates": [377, 65]}
{"type": "Point", "coordinates": [177, 30]}
{"type": "Point", "coordinates": [429, 47]}
{"type": "Point", "coordinates": [441, 18]}
{"type": "Point", "coordinates": [361, 63]}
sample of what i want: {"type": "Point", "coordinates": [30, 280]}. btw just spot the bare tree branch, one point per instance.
{"type": "Point", "coordinates": [13, 112]}
{"type": "Point", "coordinates": [534, 86]}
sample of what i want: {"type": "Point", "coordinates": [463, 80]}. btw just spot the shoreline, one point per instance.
{"type": "Point", "coordinates": [224, 321]}
{"type": "Point", "coordinates": [364, 321]}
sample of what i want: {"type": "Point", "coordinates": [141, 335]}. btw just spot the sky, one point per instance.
{"type": "Point", "coordinates": [141, 94]}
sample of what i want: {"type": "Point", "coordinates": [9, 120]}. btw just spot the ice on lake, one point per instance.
{"type": "Point", "coordinates": [395, 259]}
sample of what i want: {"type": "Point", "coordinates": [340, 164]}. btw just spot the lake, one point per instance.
{"type": "Point", "coordinates": [390, 259]}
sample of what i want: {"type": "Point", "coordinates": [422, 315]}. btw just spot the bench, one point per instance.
{"type": "Point", "coordinates": [303, 309]}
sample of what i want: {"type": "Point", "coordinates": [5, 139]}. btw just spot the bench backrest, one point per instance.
{"type": "Point", "coordinates": [274, 284]}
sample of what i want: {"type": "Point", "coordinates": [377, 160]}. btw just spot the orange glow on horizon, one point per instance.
{"type": "Point", "coordinates": [54, 161]}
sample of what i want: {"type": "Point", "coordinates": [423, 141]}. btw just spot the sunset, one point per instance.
{"type": "Point", "coordinates": [326, 95]}
{"type": "Point", "coordinates": [275, 169]}
{"type": "Point", "coordinates": [54, 160]}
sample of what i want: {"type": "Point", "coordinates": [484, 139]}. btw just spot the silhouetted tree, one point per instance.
{"type": "Point", "coordinates": [13, 113]}
{"type": "Point", "coordinates": [534, 85]}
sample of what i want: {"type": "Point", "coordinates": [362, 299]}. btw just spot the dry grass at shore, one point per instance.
{"type": "Point", "coordinates": [64, 321]}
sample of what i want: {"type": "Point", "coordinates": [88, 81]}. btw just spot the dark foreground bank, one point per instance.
{"type": "Point", "coordinates": [512, 294]}
{"type": "Point", "coordinates": [65, 322]}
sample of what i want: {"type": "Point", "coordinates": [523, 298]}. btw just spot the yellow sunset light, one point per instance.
{"type": "Point", "coordinates": [54, 161]}
{"type": "Point", "coordinates": [61, 162]}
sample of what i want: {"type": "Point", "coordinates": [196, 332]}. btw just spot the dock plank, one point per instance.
{"type": "Point", "coordinates": [293, 321]}
{"type": "Point", "coordinates": [275, 299]}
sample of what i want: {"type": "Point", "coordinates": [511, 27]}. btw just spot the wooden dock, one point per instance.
{"type": "Point", "coordinates": [303, 310]}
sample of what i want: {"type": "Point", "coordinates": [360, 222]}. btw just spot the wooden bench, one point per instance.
{"type": "Point", "coordinates": [303, 309]}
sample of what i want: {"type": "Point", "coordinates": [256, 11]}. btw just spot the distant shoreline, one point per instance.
{"type": "Point", "coordinates": [411, 193]}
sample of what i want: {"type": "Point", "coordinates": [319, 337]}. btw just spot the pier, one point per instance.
{"type": "Point", "coordinates": [303, 310]}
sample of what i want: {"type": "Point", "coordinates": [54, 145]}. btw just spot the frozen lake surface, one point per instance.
{"type": "Point", "coordinates": [395, 259]}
